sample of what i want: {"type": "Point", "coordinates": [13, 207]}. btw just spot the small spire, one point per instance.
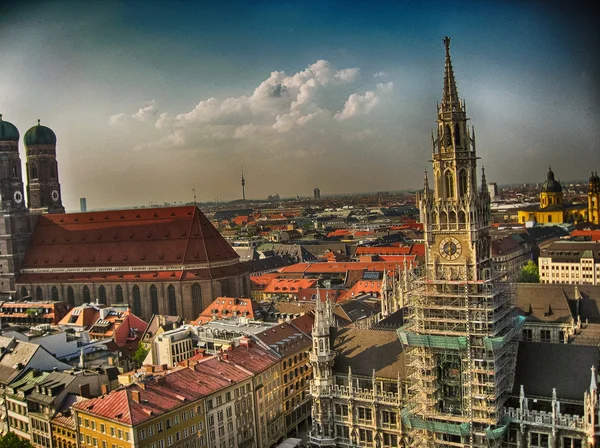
{"type": "Point", "coordinates": [593, 384]}
{"type": "Point", "coordinates": [38, 121]}
{"type": "Point", "coordinates": [450, 101]}
{"type": "Point", "coordinates": [484, 189]}
{"type": "Point", "coordinates": [426, 183]}
{"type": "Point", "coordinates": [1, 120]}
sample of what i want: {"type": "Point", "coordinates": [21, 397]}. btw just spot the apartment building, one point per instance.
{"type": "Point", "coordinates": [570, 262]}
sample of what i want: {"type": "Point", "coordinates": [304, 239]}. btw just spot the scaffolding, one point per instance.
{"type": "Point", "coordinates": [460, 341]}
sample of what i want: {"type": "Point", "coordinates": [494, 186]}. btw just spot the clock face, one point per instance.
{"type": "Point", "coordinates": [450, 248]}
{"type": "Point", "coordinates": [54, 195]}
{"type": "Point", "coordinates": [18, 196]}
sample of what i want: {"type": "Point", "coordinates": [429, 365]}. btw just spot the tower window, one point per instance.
{"type": "Point", "coordinates": [457, 134]}
{"type": "Point", "coordinates": [52, 172]}
{"type": "Point", "coordinates": [448, 136]}
{"type": "Point", "coordinates": [15, 172]}
{"type": "Point", "coordinates": [449, 185]}
{"type": "Point", "coordinates": [34, 172]}
{"type": "Point", "coordinates": [462, 183]}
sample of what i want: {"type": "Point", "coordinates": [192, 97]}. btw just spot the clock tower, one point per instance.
{"type": "Point", "coordinates": [461, 333]}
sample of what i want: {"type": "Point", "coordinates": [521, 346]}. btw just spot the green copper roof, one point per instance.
{"type": "Point", "coordinates": [8, 131]}
{"type": "Point", "coordinates": [40, 135]}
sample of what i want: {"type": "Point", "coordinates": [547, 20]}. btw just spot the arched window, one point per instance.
{"type": "Point", "coordinates": [154, 300]}
{"type": "Point", "coordinates": [39, 294]}
{"type": "Point", "coordinates": [54, 293]}
{"type": "Point", "coordinates": [462, 183]}
{"type": "Point", "coordinates": [449, 185]}
{"type": "Point", "coordinates": [225, 288]}
{"type": "Point", "coordinates": [102, 295]}
{"type": "Point", "coordinates": [70, 297]}
{"type": "Point", "coordinates": [443, 219]}
{"type": "Point", "coordinates": [448, 136]}
{"type": "Point", "coordinates": [119, 294]}
{"type": "Point", "coordinates": [86, 294]}
{"type": "Point", "coordinates": [452, 217]}
{"type": "Point", "coordinates": [52, 171]}
{"type": "Point", "coordinates": [24, 292]}
{"type": "Point", "coordinates": [15, 172]}
{"type": "Point", "coordinates": [34, 173]}
{"type": "Point", "coordinates": [172, 300]}
{"type": "Point", "coordinates": [457, 134]}
{"type": "Point", "coordinates": [462, 218]}
{"type": "Point", "coordinates": [196, 300]}
{"type": "Point", "coordinates": [137, 301]}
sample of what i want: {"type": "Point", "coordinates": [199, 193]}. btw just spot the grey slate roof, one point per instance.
{"type": "Point", "coordinates": [543, 302]}
{"type": "Point", "coordinates": [365, 350]}
{"type": "Point", "coordinates": [566, 367]}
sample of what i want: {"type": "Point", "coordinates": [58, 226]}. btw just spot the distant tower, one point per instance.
{"type": "Point", "coordinates": [493, 191]}
{"type": "Point", "coordinates": [83, 204]}
{"type": "Point", "coordinates": [243, 186]}
{"type": "Point", "coordinates": [594, 199]}
{"type": "Point", "coordinates": [317, 193]}
{"type": "Point", "coordinates": [15, 227]}
{"type": "Point", "coordinates": [43, 188]}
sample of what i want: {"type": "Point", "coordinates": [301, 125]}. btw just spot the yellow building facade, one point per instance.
{"type": "Point", "coordinates": [552, 208]}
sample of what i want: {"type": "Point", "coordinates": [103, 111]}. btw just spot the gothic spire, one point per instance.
{"type": "Point", "coordinates": [593, 384]}
{"type": "Point", "coordinates": [484, 189]}
{"type": "Point", "coordinates": [450, 101]}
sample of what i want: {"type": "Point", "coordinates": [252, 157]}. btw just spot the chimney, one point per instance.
{"type": "Point", "coordinates": [136, 395]}
{"type": "Point", "coordinates": [84, 390]}
{"type": "Point", "coordinates": [111, 361]}
{"type": "Point", "coordinates": [148, 368]}
{"type": "Point", "coordinates": [104, 389]}
{"type": "Point", "coordinates": [245, 341]}
{"type": "Point", "coordinates": [164, 367]}
{"type": "Point", "coordinates": [225, 355]}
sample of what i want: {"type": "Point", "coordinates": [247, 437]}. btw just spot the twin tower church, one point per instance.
{"type": "Point", "coordinates": [158, 261]}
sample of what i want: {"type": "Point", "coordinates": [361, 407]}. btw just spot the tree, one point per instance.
{"type": "Point", "coordinates": [11, 440]}
{"type": "Point", "coordinates": [529, 273]}
{"type": "Point", "coordinates": [139, 356]}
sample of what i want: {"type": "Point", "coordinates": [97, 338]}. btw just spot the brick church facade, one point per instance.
{"type": "Point", "coordinates": [159, 261]}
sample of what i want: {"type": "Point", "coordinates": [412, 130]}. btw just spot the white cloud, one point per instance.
{"type": "Point", "coordinates": [381, 75]}
{"type": "Point", "coordinates": [303, 103]}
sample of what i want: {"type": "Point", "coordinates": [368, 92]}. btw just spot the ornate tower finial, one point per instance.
{"type": "Point", "coordinates": [450, 101]}
{"type": "Point", "coordinates": [593, 384]}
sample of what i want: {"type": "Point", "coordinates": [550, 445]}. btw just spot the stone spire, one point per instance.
{"type": "Point", "coordinates": [450, 101]}
{"type": "Point", "coordinates": [484, 190]}
{"type": "Point", "coordinates": [593, 384]}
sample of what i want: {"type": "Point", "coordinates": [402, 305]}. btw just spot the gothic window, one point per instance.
{"type": "Point", "coordinates": [457, 134]}
{"type": "Point", "coordinates": [448, 136]}
{"type": "Point", "coordinates": [119, 294]}
{"type": "Point", "coordinates": [54, 293]}
{"type": "Point", "coordinates": [137, 301]}
{"type": "Point", "coordinates": [24, 292]}
{"type": "Point", "coordinates": [102, 295]}
{"type": "Point", "coordinates": [15, 172]}
{"type": "Point", "coordinates": [172, 300]}
{"type": "Point", "coordinates": [154, 299]}
{"type": "Point", "coordinates": [70, 297]}
{"type": "Point", "coordinates": [86, 294]}
{"type": "Point", "coordinates": [39, 294]}
{"type": "Point", "coordinates": [52, 171]}
{"type": "Point", "coordinates": [34, 173]}
{"type": "Point", "coordinates": [225, 288]}
{"type": "Point", "coordinates": [452, 217]}
{"type": "Point", "coordinates": [443, 219]}
{"type": "Point", "coordinates": [196, 299]}
{"type": "Point", "coordinates": [449, 185]}
{"type": "Point", "coordinates": [462, 183]}
{"type": "Point", "coordinates": [462, 218]}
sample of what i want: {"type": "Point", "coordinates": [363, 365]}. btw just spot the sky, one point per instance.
{"type": "Point", "coordinates": [150, 100]}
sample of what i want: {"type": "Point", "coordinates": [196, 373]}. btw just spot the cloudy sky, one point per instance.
{"type": "Point", "coordinates": [152, 99]}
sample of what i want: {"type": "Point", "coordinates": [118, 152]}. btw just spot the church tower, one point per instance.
{"type": "Point", "coordinates": [322, 357]}
{"type": "Point", "coordinates": [594, 199]}
{"type": "Point", "coordinates": [15, 226]}
{"type": "Point", "coordinates": [43, 188]}
{"type": "Point", "coordinates": [461, 333]}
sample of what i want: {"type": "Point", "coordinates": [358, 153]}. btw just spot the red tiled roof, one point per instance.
{"type": "Point", "coordinates": [264, 279]}
{"type": "Point", "coordinates": [157, 396]}
{"type": "Point", "coordinates": [223, 307]}
{"type": "Point", "coordinates": [155, 236]}
{"type": "Point", "coordinates": [289, 338]}
{"type": "Point", "coordinates": [222, 370]}
{"type": "Point", "coordinates": [593, 234]}
{"type": "Point", "coordinates": [382, 250]}
{"type": "Point", "coordinates": [252, 358]}
{"type": "Point", "coordinates": [288, 285]}
{"type": "Point", "coordinates": [322, 268]}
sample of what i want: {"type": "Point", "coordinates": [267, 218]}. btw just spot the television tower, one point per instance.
{"type": "Point", "coordinates": [243, 186]}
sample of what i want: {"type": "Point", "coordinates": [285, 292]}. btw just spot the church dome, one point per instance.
{"type": "Point", "coordinates": [551, 185]}
{"type": "Point", "coordinates": [8, 131]}
{"type": "Point", "coordinates": [40, 135]}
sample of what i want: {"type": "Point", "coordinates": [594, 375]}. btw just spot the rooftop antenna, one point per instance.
{"type": "Point", "coordinates": [243, 185]}
{"type": "Point", "coordinates": [194, 193]}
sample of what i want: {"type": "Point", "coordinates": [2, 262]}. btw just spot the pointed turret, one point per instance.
{"type": "Point", "coordinates": [450, 100]}
{"type": "Point", "coordinates": [484, 190]}
{"type": "Point", "coordinates": [593, 384]}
